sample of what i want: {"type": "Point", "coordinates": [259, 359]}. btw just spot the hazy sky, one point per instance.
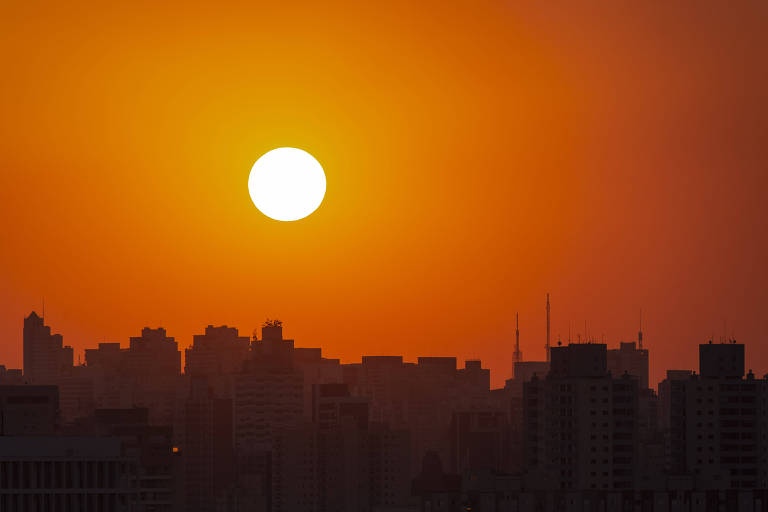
{"type": "Point", "coordinates": [478, 156]}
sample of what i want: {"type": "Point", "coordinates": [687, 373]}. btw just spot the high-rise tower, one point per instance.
{"type": "Point", "coordinates": [45, 356]}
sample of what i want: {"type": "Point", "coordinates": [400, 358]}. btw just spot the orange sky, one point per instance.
{"type": "Point", "coordinates": [478, 155]}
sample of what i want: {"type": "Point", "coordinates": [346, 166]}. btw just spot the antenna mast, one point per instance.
{"type": "Point", "coordinates": [640, 332]}
{"type": "Point", "coordinates": [518, 356]}
{"type": "Point", "coordinates": [547, 346]}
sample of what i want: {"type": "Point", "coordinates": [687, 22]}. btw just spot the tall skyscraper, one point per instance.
{"type": "Point", "coordinates": [45, 357]}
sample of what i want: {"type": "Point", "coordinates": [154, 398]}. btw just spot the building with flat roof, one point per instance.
{"type": "Point", "coordinates": [66, 474]}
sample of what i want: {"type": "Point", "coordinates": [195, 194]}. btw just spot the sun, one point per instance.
{"type": "Point", "coordinates": [287, 184]}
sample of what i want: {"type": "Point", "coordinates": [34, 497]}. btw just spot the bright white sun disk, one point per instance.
{"type": "Point", "coordinates": [287, 184]}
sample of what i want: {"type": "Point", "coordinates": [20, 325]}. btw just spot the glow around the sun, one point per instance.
{"type": "Point", "coordinates": [287, 184]}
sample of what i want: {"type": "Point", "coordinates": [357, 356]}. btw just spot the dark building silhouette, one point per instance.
{"type": "Point", "coordinates": [581, 424]}
{"type": "Point", "coordinates": [45, 356]}
{"type": "Point", "coordinates": [510, 398]}
{"type": "Point", "coordinates": [722, 360]}
{"type": "Point", "coordinates": [219, 351]}
{"type": "Point", "coordinates": [629, 359]}
{"type": "Point", "coordinates": [390, 467]}
{"type": "Point", "coordinates": [67, 474]}
{"type": "Point", "coordinates": [718, 422]}
{"type": "Point", "coordinates": [28, 410]}
{"type": "Point", "coordinates": [10, 376]}
{"type": "Point", "coordinates": [479, 440]}
{"type": "Point", "coordinates": [208, 455]}
{"type": "Point", "coordinates": [263, 425]}
{"type": "Point", "coordinates": [151, 467]}
{"type": "Point", "coordinates": [153, 354]}
{"type": "Point", "coordinates": [146, 374]}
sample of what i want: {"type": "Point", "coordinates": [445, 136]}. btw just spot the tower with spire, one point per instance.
{"type": "Point", "coordinates": [517, 357]}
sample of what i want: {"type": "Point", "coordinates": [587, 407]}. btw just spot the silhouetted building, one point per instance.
{"type": "Point", "coordinates": [420, 397]}
{"type": "Point", "coordinates": [479, 440]}
{"type": "Point", "coordinates": [717, 422]}
{"type": "Point", "coordinates": [439, 491]}
{"type": "Point", "coordinates": [28, 410]}
{"type": "Point", "coordinates": [525, 370]}
{"type": "Point", "coordinates": [208, 456]}
{"type": "Point", "coordinates": [146, 374]}
{"type": "Point", "coordinates": [343, 455]}
{"type": "Point", "coordinates": [631, 360]}
{"type": "Point", "coordinates": [219, 351]}
{"type": "Point", "coordinates": [721, 360]}
{"type": "Point", "coordinates": [333, 402]}
{"type": "Point", "coordinates": [268, 393]}
{"type": "Point", "coordinates": [268, 406]}
{"type": "Point", "coordinates": [317, 370]}
{"type": "Point", "coordinates": [152, 464]}
{"type": "Point", "coordinates": [10, 376]}
{"type": "Point", "coordinates": [581, 424]}
{"type": "Point", "coordinates": [294, 472]}
{"type": "Point", "coordinates": [390, 467]}
{"type": "Point", "coordinates": [65, 474]}
{"type": "Point", "coordinates": [76, 393]}
{"type": "Point", "coordinates": [153, 354]}
{"type": "Point", "coordinates": [45, 357]}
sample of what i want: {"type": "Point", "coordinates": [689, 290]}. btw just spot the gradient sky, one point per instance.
{"type": "Point", "coordinates": [478, 155]}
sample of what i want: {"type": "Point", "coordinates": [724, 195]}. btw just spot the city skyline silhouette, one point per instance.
{"type": "Point", "coordinates": [406, 256]}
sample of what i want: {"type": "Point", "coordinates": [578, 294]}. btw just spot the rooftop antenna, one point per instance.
{"type": "Point", "coordinates": [640, 332]}
{"type": "Point", "coordinates": [518, 356]}
{"type": "Point", "coordinates": [547, 346]}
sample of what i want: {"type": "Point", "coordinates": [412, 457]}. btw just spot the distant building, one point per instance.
{"type": "Point", "coordinates": [10, 376]}
{"type": "Point", "coordinates": [65, 474]}
{"type": "Point", "coordinates": [268, 393]}
{"type": "Point", "coordinates": [666, 405]}
{"type": "Point", "coordinates": [146, 374]}
{"type": "Point", "coordinates": [525, 370]}
{"type": "Point", "coordinates": [152, 466]}
{"type": "Point", "coordinates": [580, 424]}
{"type": "Point", "coordinates": [389, 466]}
{"type": "Point", "coordinates": [717, 422]}
{"type": "Point", "coordinates": [341, 421]}
{"type": "Point", "coordinates": [219, 351]}
{"type": "Point", "coordinates": [721, 360]}
{"type": "Point", "coordinates": [45, 357]}
{"type": "Point", "coordinates": [28, 410]}
{"type": "Point", "coordinates": [420, 397]}
{"type": "Point", "coordinates": [317, 370]}
{"type": "Point", "coordinates": [630, 360]}
{"type": "Point", "coordinates": [76, 393]}
{"type": "Point", "coordinates": [510, 398]}
{"type": "Point", "coordinates": [208, 448]}
{"type": "Point", "coordinates": [152, 354]}
{"type": "Point", "coordinates": [479, 440]}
